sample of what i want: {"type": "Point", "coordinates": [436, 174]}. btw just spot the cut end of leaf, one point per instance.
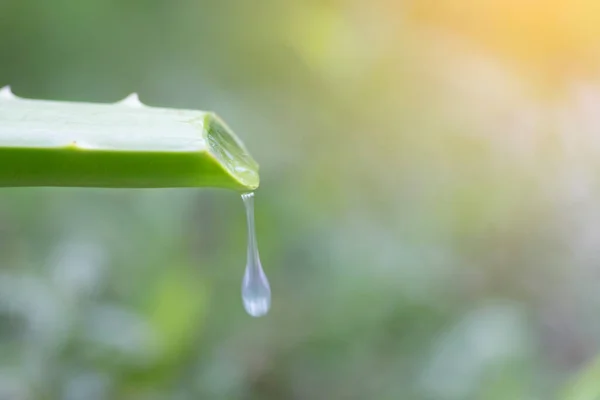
{"type": "Point", "coordinates": [230, 152]}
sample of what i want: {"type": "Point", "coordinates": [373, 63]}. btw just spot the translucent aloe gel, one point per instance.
{"type": "Point", "coordinates": [256, 292]}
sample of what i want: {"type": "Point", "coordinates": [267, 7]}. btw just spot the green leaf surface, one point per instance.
{"type": "Point", "coordinates": [121, 145]}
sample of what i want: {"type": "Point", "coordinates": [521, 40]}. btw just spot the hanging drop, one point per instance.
{"type": "Point", "coordinates": [256, 292]}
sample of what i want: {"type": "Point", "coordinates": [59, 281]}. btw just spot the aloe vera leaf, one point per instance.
{"type": "Point", "coordinates": [120, 145]}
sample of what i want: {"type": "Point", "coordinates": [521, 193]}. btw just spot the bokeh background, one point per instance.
{"type": "Point", "coordinates": [429, 213]}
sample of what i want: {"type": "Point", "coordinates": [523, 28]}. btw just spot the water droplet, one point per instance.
{"type": "Point", "coordinates": [256, 292]}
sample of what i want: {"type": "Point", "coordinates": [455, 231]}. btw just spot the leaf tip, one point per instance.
{"type": "Point", "coordinates": [133, 100]}
{"type": "Point", "coordinates": [6, 93]}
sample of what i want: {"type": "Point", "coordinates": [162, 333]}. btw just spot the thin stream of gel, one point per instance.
{"type": "Point", "coordinates": [256, 292]}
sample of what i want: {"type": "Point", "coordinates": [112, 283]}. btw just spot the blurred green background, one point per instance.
{"type": "Point", "coordinates": [428, 213]}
